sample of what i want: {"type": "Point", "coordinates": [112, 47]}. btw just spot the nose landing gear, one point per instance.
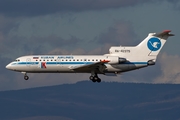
{"type": "Point", "coordinates": [25, 76]}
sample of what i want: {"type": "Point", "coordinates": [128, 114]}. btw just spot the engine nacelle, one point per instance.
{"type": "Point", "coordinates": [122, 60]}
{"type": "Point", "coordinates": [116, 60]}
{"type": "Point", "coordinates": [151, 62]}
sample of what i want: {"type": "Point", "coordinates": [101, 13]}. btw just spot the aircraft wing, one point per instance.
{"type": "Point", "coordinates": [97, 65]}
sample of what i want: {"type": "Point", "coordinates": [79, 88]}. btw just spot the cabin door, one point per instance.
{"type": "Point", "coordinates": [28, 62]}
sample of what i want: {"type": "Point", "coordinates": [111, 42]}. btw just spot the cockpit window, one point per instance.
{"type": "Point", "coordinates": [17, 60]}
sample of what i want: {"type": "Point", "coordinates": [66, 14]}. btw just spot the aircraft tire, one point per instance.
{"type": "Point", "coordinates": [98, 80]}
{"type": "Point", "coordinates": [91, 77]}
{"type": "Point", "coordinates": [94, 80]}
{"type": "Point", "coordinates": [26, 77]}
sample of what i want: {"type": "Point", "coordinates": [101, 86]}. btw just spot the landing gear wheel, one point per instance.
{"type": "Point", "coordinates": [98, 80]}
{"type": "Point", "coordinates": [94, 77]}
{"type": "Point", "coordinates": [26, 77]}
{"type": "Point", "coordinates": [93, 80]}
{"type": "Point", "coordinates": [91, 77]}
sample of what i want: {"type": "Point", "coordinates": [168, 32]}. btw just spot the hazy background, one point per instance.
{"type": "Point", "coordinates": [86, 27]}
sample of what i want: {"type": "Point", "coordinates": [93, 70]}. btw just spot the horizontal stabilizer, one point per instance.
{"type": "Point", "coordinates": [165, 33]}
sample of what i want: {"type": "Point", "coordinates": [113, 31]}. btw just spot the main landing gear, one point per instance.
{"type": "Point", "coordinates": [95, 78]}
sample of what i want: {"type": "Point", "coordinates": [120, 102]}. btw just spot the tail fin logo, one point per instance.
{"type": "Point", "coordinates": [154, 44]}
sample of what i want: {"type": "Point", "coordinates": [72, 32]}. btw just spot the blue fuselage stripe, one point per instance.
{"type": "Point", "coordinates": [68, 63]}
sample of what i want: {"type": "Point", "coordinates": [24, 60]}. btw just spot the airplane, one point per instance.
{"type": "Point", "coordinates": [119, 59]}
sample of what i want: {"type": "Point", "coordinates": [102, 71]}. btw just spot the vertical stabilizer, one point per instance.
{"type": "Point", "coordinates": [152, 45]}
{"type": "Point", "coordinates": [147, 50]}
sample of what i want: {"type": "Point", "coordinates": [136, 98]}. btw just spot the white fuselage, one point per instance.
{"type": "Point", "coordinates": [66, 63]}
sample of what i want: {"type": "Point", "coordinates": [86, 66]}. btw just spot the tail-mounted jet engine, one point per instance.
{"type": "Point", "coordinates": [151, 62]}
{"type": "Point", "coordinates": [116, 60]}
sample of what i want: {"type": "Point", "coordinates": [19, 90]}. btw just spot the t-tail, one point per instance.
{"type": "Point", "coordinates": [146, 51]}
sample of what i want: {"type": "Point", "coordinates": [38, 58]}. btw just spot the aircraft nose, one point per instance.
{"type": "Point", "coordinates": [8, 66]}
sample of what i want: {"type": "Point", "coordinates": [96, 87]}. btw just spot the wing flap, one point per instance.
{"type": "Point", "coordinates": [89, 66]}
